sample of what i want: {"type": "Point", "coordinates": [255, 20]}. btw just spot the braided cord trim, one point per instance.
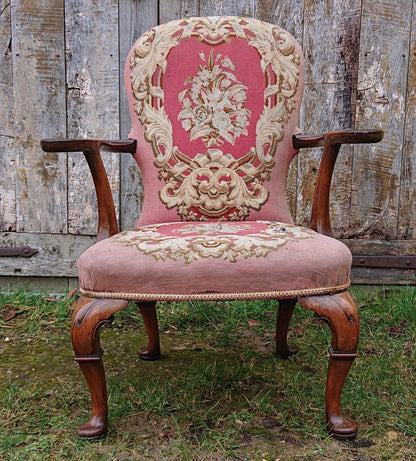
{"type": "Point", "coordinates": [215, 296]}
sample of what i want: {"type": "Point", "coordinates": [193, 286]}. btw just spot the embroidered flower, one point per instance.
{"type": "Point", "coordinates": [213, 107]}
{"type": "Point", "coordinates": [221, 121]}
{"type": "Point", "coordinates": [202, 114]}
{"type": "Point", "coordinates": [226, 62]}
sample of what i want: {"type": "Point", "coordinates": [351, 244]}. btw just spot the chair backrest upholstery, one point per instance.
{"type": "Point", "coordinates": [214, 103]}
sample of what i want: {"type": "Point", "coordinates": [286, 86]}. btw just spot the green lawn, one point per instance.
{"type": "Point", "coordinates": [217, 393]}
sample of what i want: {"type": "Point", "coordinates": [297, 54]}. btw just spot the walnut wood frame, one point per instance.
{"type": "Point", "coordinates": [337, 310]}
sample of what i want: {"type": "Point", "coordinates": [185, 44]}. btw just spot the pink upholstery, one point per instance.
{"type": "Point", "coordinates": [231, 260]}
{"type": "Point", "coordinates": [221, 95]}
{"type": "Point", "coordinates": [214, 103]}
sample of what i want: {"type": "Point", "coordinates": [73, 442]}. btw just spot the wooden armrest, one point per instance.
{"type": "Point", "coordinates": [82, 145]}
{"type": "Point", "coordinates": [107, 220]}
{"type": "Point", "coordinates": [331, 142]}
{"type": "Point", "coordinates": [337, 137]}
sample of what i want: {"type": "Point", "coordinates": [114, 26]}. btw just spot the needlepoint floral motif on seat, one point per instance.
{"type": "Point", "coordinates": [227, 241]}
{"type": "Point", "coordinates": [214, 96]}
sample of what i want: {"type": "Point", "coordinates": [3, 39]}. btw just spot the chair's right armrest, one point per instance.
{"type": "Point", "coordinates": [107, 220]}
{"type": "Point", "coordinates": [331, 142]}
{"type": "Point", "coordinates": [337, 137]}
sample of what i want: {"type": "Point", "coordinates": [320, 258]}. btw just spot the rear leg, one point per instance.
{"type": "Point", "coordinates": [283, 349]}
{"type": "Point", "coordinates": [152, 350]}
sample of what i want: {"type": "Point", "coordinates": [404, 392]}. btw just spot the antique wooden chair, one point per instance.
{"type": "Point", "coordinates": [215, 106]}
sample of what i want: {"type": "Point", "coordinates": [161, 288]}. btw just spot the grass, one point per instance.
{"type": "Point", "coordinates": [217, 393]}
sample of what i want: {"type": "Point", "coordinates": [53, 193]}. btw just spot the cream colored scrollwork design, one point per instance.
{"type": "Point", "coordinates": [193, 185]}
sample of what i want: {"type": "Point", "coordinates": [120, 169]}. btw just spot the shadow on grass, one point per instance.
{"type": "Point", "coordinates": [217, 393]}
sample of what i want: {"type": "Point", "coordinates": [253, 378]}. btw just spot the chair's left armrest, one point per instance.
{"type": "Point", "coordinates": [107, 220]}
{"type": "Point", "coordinates": [331, 142]}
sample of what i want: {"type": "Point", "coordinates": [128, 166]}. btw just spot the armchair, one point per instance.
{"type": "Point", "coordinates": [215, 105]}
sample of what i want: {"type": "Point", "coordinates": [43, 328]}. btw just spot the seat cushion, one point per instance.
{"type": "Point", "coordinates": [214, 260]}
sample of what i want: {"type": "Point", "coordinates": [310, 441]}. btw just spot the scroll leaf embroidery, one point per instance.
{"type": "Point", "coordinates": [191, 242]}
{"type": "Point", "coordinates": [201, 196]}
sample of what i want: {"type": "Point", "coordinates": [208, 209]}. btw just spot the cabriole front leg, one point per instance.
{"type": "Point", "coordinates": [89, 316]}
{"type": "Point", "coordinates": [340, 313]}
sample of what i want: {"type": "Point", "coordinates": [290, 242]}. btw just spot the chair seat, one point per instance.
{"type": "Point", "coordinates": [181, 261]}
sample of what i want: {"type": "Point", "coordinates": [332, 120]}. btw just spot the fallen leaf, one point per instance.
{"type": "Point", "coordinates": [298, 332]}
{"type": "Point", "coordinates": [72, 293]}
{"type": "Point", "coordinates": [18, 377]}
{"type": "Point", "coordinates": [392, 435]}
{"type": "Point", "coordinates": [10, 316]}
{"type": "Point", "coordinates": [252, 322]}
{"type": "Point", "coordinates": [166, 435]}
{"type": "Point", "coordinates": [397, 331]}
{"type": "Point", "coordinates": [50, 299]}
{"type": "Point", "coordinates": [374, 320]}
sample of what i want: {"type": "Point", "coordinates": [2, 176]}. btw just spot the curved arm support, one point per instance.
{"type": "Point", "coordinates": [107, 220]}
{"type": "Point", "coordinates": [331, 142]}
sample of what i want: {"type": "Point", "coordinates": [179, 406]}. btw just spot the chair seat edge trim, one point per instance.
{"type": "Point", "coordinates": [216, 296]}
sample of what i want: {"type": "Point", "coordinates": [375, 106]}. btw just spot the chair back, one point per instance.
{"type": "Point", "coordinates": [214, 103]}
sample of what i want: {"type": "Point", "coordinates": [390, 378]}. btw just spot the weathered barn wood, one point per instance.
{"type": "Point", "coordinates": [7, 166]}
{"type": "Point", "coordinates": [169, 10]}
{"type": "Point", "coordinates": [135, 18]}
{"type": "Point", "coordinates": [381, 99]}
{"type": "Point", "coordinates": [92, 100]}
{"type": "Point", "coordinates": [407, 208]}
{"type": "Point", "coordinates": [61, 74]}
{"type": "Point", "coordinates": [331, 44]}
{"type": "Point", "coordinates": [39, 111]}
{"type": "Point", "coordinates": [58, 253]}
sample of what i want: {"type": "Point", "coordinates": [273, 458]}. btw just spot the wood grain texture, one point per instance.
{"type": "Point", "coordinates": [372, 276]}
{"type": "Point", "coordinates": [57, 257]}
{"type": "Point", "coordinates": [91, 30]}
{"type": "Point", "coordinates": [376, 276]}
{"type": "Point", "coordinates": [288, 15]}
{"type": "Point", "coordinates": [39, 111]}
{"type": "Point", "coordinates": [6, 70]}
{"type": "Point", "coordinates": [135, 17]}
{"type": "Point", "coordinates": [381, 101]}
{"type": "Point", "coordinates": [381, 247]}
{"type": "Point", "coordinates": [374, 187]}
{"type": "Point", "coordinates": [331, 44]}
{"type": "Point", "coordinates": [7, 166]}
{"type": "Point", "coordinates": [229, 7]}
{"type": "Point", "coordinates": [176, 9]}
{"type": "Point", "coordinates": [38, 284]}
{"type": "Point", "coordinates": [406, 228]}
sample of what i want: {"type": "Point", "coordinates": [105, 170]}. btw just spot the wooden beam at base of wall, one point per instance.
{"type": "Point", "coordinates": [38, 284]}
{"type": "Point", "coordinates": [58, 254]}
{"type": "Point", "coordinates": [385, 261]}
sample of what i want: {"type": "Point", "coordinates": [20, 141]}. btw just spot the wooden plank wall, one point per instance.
{"type": "Point", "coordinates": [61, 74]}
